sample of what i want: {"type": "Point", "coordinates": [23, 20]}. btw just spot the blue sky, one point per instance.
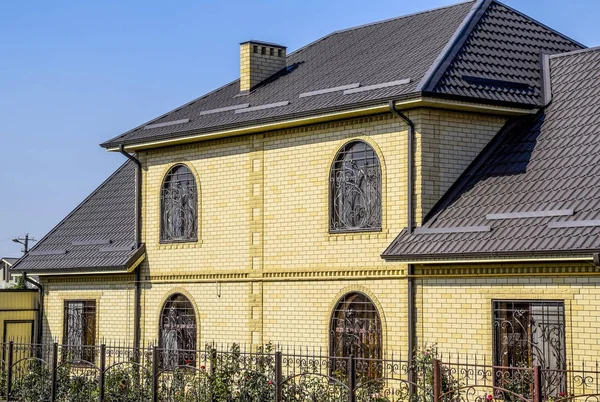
{"type": "Point", "coordinates": [76, 73]}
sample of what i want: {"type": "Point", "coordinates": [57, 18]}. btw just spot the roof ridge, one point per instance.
{"type": "Point", "coordinates": [369, 24]}
{"type": "Point", "coordinates": [403, 16]}
{"type": "Point", "coordinates": [575, 52]}
{"type": "Point", "coordinates": [455, 43]}
{"type": "Point", "coordinates": [539, 23]}
{"type": "Point", "coordinates": [77, 208]}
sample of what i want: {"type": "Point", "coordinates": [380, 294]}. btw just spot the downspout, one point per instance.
{"type": "Point", "coordinates": [40, 313]}
{"type": "Point", "coordinates": [138, 219]}
{"type": "Point", "coordinates": [409, 229]}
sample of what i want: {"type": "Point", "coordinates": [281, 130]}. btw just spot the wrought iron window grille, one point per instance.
{"type": "Point", "coordinates": [177, 332]}
{"type": "Point", "coordinates": [355, 190]}
{"type": "Point", "coordinates": [179, 206]}
{"type": "Point", "coordinates": [80, 330]}
{"type": "Point", "coordinates": [355, 330]}
{"type": "Point", "coordinates": [531, 333]}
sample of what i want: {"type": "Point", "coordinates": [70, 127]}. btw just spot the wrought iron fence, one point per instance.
{"type": "Point", "coordinates": [113, 373]}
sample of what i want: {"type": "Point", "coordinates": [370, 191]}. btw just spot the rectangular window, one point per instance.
{"type": "Point", "coordinates": [527, 334]}
{"type": "Point", "coordinates": [80, 330]}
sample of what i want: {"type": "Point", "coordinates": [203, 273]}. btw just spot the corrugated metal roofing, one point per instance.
{"type": "Point", "coordinates": [549, 163]}
{"type": "Point", "coordinates": [105, 219]}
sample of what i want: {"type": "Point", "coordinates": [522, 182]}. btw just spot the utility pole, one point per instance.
{"type": "Point", "coordinates": [24, 241]}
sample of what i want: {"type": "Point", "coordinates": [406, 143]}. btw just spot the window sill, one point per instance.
{"type": "Point", "coordinates": [364, 235]}
{"type": "Point", "coordinates": [177, 245]}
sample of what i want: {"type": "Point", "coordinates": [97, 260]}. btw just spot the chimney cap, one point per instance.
{"type": "Point", "coordinates": [258, 42]}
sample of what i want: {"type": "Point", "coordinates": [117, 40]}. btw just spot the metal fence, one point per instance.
{"type": "Point", "coordinates": [73, 373]}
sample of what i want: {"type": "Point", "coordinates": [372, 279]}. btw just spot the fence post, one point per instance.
{"type": "Point", "coordinates": [102, 369]}
{"type": "Point", "coordinates": [278, 377]}
{"type": "Point", "coordinates": [537, 384]}
{"type": "Point", "coordinates": [351, 379]}
{"type": "Point", "coordinates": [213, 369]}
{"type": "Point", "coordinates": [54, 369]}
{"type": "Point", "coordinates": [437, 380]}
{"type": "Point", "coordinates": [9, 371]}
{"type": "Point", "coordinates": [154, 374]}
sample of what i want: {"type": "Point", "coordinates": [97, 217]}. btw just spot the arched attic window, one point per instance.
{"type": "Point", "coordinates": [177, 332]}
{"type": "Point", "coordinates": [355, 189]}
{"type": "Point", "coordinates": [179, 206]}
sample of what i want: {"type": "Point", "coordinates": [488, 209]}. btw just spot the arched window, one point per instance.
{"type": "Point", "coordinates": [177, 332]}
{"type": "Point", "coordinates": [355, 328]}
{"type": "Point", "coordinates": [355, 189]}
{"type": "Point", "coordinates": [179, 206]}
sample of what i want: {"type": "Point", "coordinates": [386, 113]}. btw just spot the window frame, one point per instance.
{"type": "Point", "coordinates": [187, 355]}
{"type": "Point", "coordinates": [559, 386]}
{"type": "Point", "coordinates": [339, 156]}
{"type": "Point", "coordinates": [87, 353]}
{"type": "Point", "coordinates": [371, 370]}
{"type": "Point", "coordinates": [169, 173]}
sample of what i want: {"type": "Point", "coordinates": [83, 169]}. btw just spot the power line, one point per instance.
{"type": "Point", "coordinates": [24, 241]}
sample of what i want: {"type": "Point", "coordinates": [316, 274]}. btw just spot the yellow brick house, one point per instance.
{"type": "Point", "coordinates": [372, 183]}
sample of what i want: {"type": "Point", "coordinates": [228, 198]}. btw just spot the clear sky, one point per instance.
{"type": "Point", "coordinates": [76, 73]}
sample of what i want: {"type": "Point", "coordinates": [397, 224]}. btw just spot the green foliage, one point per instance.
{"type": "Point", "coordinates": [422, 365]}
{"type": "Point", "coordinates": [31, 381]}
{"type": "Point", "coordinates": [20, 284]}
{"type": "Point", "coordinates": [128, 382]}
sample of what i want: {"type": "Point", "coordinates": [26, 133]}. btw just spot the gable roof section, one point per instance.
{"type": "Point", "coordinates": [549, 165]}
{"type": "Point", "coordinates": [393, 50]}
{"type": "Point", "coordinates": [499, 59]}
{"type": "Point", "coordinates": [98, 236]}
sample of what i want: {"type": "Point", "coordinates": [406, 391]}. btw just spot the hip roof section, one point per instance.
{"type": "Point", "coordinates": [535, 188]}
{"type": "Point", "coordinates": [398, 49]}
{"type": "Point", "coordinates": [481, 51]}
{"type": "Point", "coordinates": [98, 235]}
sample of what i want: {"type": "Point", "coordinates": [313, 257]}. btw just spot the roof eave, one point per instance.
{"type": "Point", "coordinates": [128, 267]}
{"type": "Point", "coordinates": [406, 101]}
{"type": "Point", "coordinates": [490, 257]}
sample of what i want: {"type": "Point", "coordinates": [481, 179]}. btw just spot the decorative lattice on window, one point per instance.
{"type": "Point", "coordinates": [355, 189]}
{"type": "Point", "coordinates": [531, 333]}
{"type": "Point", "coordinates": [356, 329]}
{"type": "Point", "coordinates": [179, 206]}
{"type": "Point", "coordinates": [177, 332]}
{"type": "Point", "coordinates": [80, 330]}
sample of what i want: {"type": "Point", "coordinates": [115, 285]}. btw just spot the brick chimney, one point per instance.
{"type": "Point", "coordinates": [259, 61]}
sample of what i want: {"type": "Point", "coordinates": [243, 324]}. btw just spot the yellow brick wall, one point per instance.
{"type": "Point", "coordinates": [456, 313]}
{"type": "Point", "coordinates": [446, 143]}
{"type": "Point", "coordinates": [114, 306]}
{"type": "Point", "coordinates": [265, 267]}
{"type": "Point", "coordinates": [263, 226]}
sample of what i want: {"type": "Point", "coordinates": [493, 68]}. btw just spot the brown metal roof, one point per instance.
{"type": "Point", "coordinates": [535, 186]}
{"type": "Point", "coordinates": [481, 41]}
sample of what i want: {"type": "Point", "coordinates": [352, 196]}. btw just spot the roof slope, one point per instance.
{"type": "Point", "coordinates": [482, 50]}
{"type": "Point", "coordinates": [397, 49]}
{"type": "Point", "coordinates": [551, 163]}
{"type": "Point", "coordinates": [99, 235]}
{"type": "Point", "coordinates": [8, 260]}
{"type": "Point", "coordinates": [500, 58]}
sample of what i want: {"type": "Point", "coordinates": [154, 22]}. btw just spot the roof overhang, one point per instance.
{"type": "Point", "coordinates": [5, 261]}
{"type": "Point", "coordinates": [132, 263]}
{"type": "Point", "coordinates": [499, 257]}
{"type": "Point", "coordinates": [410, 102]}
